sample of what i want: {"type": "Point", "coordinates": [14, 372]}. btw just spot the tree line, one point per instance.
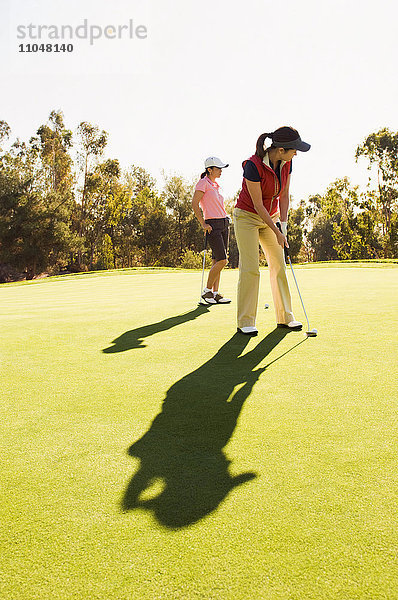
{"type": "Point", "coordinates": [64, 207]}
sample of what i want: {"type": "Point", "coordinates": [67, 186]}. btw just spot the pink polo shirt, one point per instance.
{"type": "Point", "coordinates": [211, 203]}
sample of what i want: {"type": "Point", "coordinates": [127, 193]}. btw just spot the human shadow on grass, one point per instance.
{"type": "Point", "coordinates": [181, 455]}
{"type": "Point", "coordinates": [134, 338]}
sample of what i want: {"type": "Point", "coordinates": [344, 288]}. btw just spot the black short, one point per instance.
{"type": "Point", "coordinates": [218, 238]}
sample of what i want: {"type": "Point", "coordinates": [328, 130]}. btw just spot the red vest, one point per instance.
{"type": "Point", "coordinates": [270, 188]}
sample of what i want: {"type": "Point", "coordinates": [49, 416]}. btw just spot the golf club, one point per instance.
{"type": "Point", "coordinates": [203, 272]}
{"type": "Point", "coordinates": [309, 332]}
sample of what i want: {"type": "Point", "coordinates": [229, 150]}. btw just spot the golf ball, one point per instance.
{"type": "Point", "coordinates": [266, 305]}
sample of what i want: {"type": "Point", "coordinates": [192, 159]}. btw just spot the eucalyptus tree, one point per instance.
{"type": "Point", "coordinates": [333, 232]}
{"type": "Point", "coordinates": [381, 150]}
{"type": "Point", "coordinates": [108, 201]}
{"type": "Point", "coordinates": [91, 145]}
{"type": "Point", "coordinates": [34, 225]}
{"type": "Point", "coordinates": [186, 231]}
{"type": "Point", "coordinates": [5, 131]}
{"type": "Point", "coordinates": [54, 142]}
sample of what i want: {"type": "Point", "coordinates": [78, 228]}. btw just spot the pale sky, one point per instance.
{"type": "Point", "coordinates": [209, 78]}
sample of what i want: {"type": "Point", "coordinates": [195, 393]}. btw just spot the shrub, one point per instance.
{"type": "Point", "coordinates": [194, 260]}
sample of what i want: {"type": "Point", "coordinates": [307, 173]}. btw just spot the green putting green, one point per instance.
{"type": "Point", "coordinates": [149, 452]}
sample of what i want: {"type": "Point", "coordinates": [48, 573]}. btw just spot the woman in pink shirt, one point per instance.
{"type": "Point", "coordinates": [215, 223]}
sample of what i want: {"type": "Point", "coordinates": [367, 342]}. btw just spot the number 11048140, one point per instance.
{"type": "Point", "coordinates": [45, 47]}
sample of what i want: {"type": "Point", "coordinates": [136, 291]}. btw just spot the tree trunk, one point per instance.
{"type": "Point", "coordinates": [79, 254]}
{"type": "Point", "coordinates": [31, 271]}
{"type": "Point", "coordinates": [91, 255]}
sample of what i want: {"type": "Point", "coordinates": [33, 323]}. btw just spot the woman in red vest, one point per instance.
{"type": "Point", "coordinates": [260, 216]}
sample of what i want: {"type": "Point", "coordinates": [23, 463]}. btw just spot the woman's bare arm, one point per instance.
{"type": "Point", "coordinates": [284, 201]}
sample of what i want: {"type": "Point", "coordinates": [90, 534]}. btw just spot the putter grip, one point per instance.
{"type": "Point", "coordinates": [286, 250]}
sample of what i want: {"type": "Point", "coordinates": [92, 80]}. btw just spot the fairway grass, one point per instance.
{"type": "Point", "coordinates": [149, 452]}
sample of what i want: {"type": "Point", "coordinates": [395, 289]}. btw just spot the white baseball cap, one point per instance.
{"type": "Point", "coordinates": [213, 161]}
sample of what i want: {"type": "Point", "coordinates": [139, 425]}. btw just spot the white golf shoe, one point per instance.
{"type": "Point", "coordinates": [220, 299]}
{"type": "Point", "coordinates": [249, 330]}
{"type": "Point", "coordinates": [293, 325]}
{"type": "Point", "coordinates": [209, 297]}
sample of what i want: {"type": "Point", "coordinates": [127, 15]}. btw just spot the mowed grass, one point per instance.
{"type": "Point", "coordinates": [149, 452]}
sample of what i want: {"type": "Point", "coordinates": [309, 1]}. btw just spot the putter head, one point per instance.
{"type": "Point", "coordinates": [311, 333]}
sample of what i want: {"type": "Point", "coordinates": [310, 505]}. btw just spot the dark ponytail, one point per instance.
{"type": "Point", "coordinates": [207, 172]}
{"type": "Point", "coordinates": [260, 144]}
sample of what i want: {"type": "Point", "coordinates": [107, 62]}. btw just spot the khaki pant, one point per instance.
{"type": "Point", "coordinates": [250, 231]}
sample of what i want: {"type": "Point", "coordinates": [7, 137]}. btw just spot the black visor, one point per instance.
{"type": "Point", "coordinates": [296, 144]}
